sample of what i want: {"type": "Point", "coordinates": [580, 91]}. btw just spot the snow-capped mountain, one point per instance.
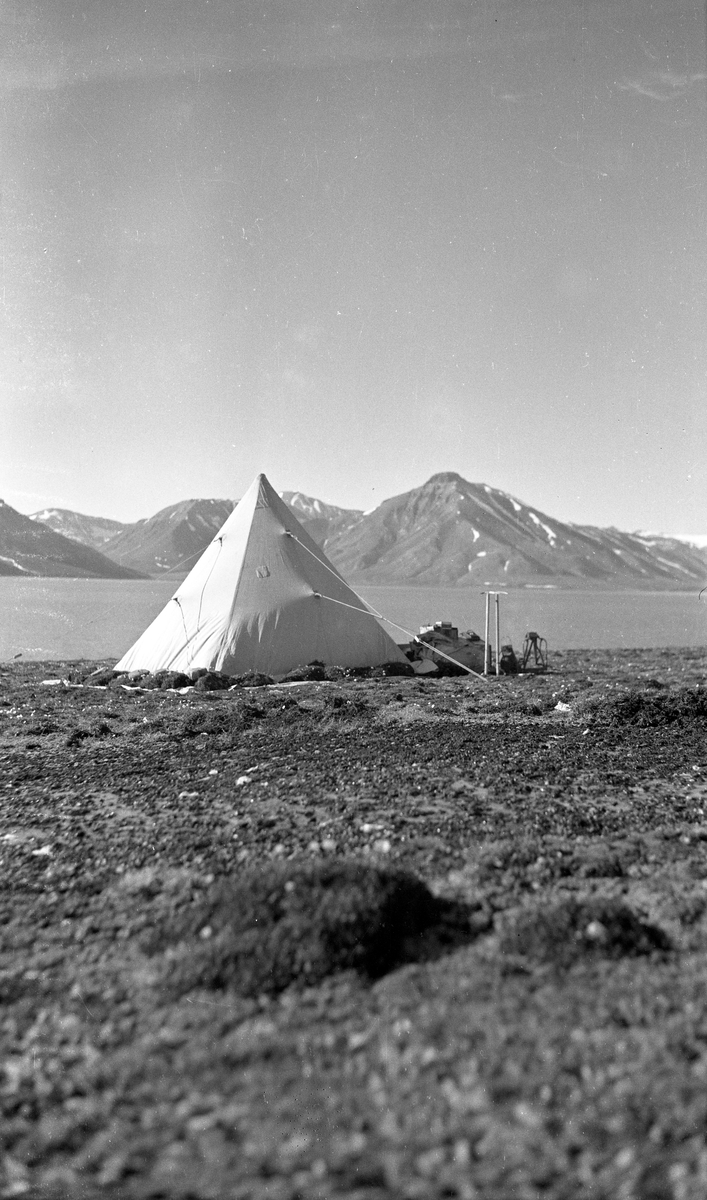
{"type": "Point", "coordinates": [450, 531]}
{"type": "Point", "coordinates": [30, 547]}
{"type": "Point", "coordinates": [321, 520]}
{"type": "Point", "coordinates": [90, 531]}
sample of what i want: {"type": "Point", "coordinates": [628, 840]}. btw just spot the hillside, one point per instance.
{"type": "Point", "coordinates": [90, 531]}
{"type": "Point", "coordinates": [30, 547]}
{"type": "Point", "coordinates": [172, 539]}
{"type": "Point", "coordinates": [452, 532]}
{"type": "Point", "coordinates": [321, 520]}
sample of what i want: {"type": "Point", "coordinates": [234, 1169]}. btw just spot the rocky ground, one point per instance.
{"type": "Point", "coordinates": [364, 937]}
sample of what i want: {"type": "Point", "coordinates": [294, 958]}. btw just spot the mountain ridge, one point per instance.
{"type": "Point", "coordinates": [321, 520]}
{"type": "Point", "coordinates": [171, 538]}
{"type": "Point", "coordinates": [90, 531]}
{"type": "Point", "coordinates": [447, 532]}
{"type": "Point", "coordinates": [30, 548]}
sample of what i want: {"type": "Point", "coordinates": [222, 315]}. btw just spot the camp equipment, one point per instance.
{"type": "Point", "coordinates": [441, 642]}
{"type": "Point", "coordinates": [534, 647]}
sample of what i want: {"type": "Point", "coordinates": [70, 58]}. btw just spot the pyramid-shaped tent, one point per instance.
{"type": "Point", "coordinates": [262, 597]}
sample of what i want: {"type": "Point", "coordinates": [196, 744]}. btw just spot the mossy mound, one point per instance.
{"type": "Point", "coordinates": [163, 680]}
{"type": "Point", "coordinates": [298, 923]}
{"type": "Point", "coordinates": [529, 860]}
{"type": "Point", "coordinates": [222, 722]}
{"type": "Point", "coordinates": [172, 679]}
{"type": "Point", "coordinates": [251, 679]}
{"type": "Point", "coordinates": [651, 709]}
{"type": "Point", "coordinates": [212, 681]}
{"type": "Point", "coordinates": [100, 678]}
{"type": "Point", "coordinates": [313, 672]}
{"type": "Point", "coordinates": [97, 729]}
{"type": "Point", "coordinates": [393, 668]}
{"type": "Point", "coordinates": [572, 928]}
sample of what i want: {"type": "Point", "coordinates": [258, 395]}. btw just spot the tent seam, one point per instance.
{"type": "Point", "coordinates": [232, 607]}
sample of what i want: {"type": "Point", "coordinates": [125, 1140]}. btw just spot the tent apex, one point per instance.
{"type": "Point", "coordinates": [260, 487]}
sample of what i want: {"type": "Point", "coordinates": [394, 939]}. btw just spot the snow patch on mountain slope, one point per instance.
{"type": "Point", "coordinates": [551, 535]}
{"type": "Point", "coordinates": [690, 539]}
{"type": "Point", "coordinates": [669, 563]}
{"type": "Point", "coordinates": [14, 563]}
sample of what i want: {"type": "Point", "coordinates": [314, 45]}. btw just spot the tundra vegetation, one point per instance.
{"type": "Point", "coordinates": [357, 936]}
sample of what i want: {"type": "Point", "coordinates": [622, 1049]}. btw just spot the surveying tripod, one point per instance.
{"type": "Point", "coordinates": [534, 646]}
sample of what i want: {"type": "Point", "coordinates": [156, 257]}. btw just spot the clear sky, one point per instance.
{"type": "Point", "coordinates": [352, 243]}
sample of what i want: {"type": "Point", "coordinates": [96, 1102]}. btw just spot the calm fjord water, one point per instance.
{"type": "Point", "coordinates": [100, 618]}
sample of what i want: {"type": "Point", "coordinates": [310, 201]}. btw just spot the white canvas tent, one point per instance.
{"type": "Point", "coordinates": [262, 597]}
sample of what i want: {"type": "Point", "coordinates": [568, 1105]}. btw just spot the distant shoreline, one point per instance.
{"type": "Point", "coordinates": [62, 619]}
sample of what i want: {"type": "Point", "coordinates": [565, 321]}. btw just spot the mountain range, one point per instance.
{"type": "Point", "coordinates": [452, 532]}
{"type": "Point", "coordinates": [30, 547]}
{"type": "Point", "coordinates": [447, 532]}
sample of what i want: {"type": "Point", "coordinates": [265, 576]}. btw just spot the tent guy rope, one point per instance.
{"type": "Point", "coordinates": [370, 611]}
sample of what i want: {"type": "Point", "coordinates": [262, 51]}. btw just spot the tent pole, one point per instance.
{"type": "Point", "coordinates": [486, 633]}
{"type": "Point", "coordinates": [498, 635]}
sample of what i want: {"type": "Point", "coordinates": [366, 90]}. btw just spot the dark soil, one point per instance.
{"type": "Point", "coordinates": [357, 936]}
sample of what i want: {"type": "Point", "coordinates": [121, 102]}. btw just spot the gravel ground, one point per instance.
{"type": "Point", "coordinates": [362, 938]}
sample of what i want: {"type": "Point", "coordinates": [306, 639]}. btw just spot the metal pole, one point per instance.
{"type": "Point", "coordinates": [486, 634]}
{"type": "Point", "coordinates": [498, 636]}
